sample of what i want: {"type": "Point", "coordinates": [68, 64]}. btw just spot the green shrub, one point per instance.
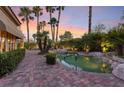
{"type": "Point", "coordinates": [26, 45]}
{"type": "Point", "coordinates": [10, 60]}
{"type": "Point", "coordinates": [32, 45]}
{"type": "Point", "coordinates": [51, 58]}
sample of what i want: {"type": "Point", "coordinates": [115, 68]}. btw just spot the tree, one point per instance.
{"type": "Point", "coordinates": [39, 40]}
{"type": "Point", "coordinates": [50, 10]}
{"type": "Point", "coordinates": [99, 28]}
{"type": "Point", "coordinates": [25, 13]}
{"type": "Point", "coordinates": [42, 40]}
{"type": "Point", "coordinates": [45, 34]}
{"type": "Point", "coordinates": [37, 11]}
{"type": "Point", "coordinates": [92, 41]}
{"type": "Point", "coordinates": [116, 36]}
{"type": "Point", "coordinates": [66, 36]}
{"type": "Point", "coordinates": [90, 19]}
{"type": "Point", "coordinates": [53, 22]}
{"type": "Point", "coordinates": [34, 36]}
{"type": "Point", "coordinates": [59, 9]}
{"type": "Point", "coordinates": [42, 25]}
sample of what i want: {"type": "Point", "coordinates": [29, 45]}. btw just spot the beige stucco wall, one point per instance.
{"type": "Point", "coordinates": [9, 23]}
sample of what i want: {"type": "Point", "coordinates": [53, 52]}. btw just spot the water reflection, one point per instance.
{"type": "Point", "coordinates": [86, 63]}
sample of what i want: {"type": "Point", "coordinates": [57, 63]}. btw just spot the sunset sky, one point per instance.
{"type": "Point", "coordinates": [75, 19]}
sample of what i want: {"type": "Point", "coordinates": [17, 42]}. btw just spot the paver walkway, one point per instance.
{"type": "Point", "coordinates": [34, 72]}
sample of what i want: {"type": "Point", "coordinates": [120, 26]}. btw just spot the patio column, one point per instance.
{"type": "Point", "coordinates": [0, 42]}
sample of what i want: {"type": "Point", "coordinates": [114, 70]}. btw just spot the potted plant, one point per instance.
{"type": "Point", "coordinates": [51, 58]}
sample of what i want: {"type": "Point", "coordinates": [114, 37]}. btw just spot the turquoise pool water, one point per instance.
{"type": "Point", "coordinates": [86, 63]}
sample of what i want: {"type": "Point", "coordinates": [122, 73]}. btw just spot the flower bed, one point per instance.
{"type": "Point", "coordinates": [10, 60]}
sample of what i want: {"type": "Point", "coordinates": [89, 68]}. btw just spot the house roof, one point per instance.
{"type": "Point", "coordinates": [15, 32]}
{"type": "Point", "coordinates": [9, 12]}
{"type": "Point", "coordinates": [11, 15]}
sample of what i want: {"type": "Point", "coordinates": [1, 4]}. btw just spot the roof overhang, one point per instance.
{"type": "Point", "coordinates": [15, 32]}
{"type": "Point", "coordinates": [8, 11]}
{"type": "Point", "coordinates": [4, 27]}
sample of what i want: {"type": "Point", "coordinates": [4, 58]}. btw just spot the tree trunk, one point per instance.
{"type": "Point", "coordinates": [120, 50]}
{"type": "Point", "coordinates": [45, 42]}
{"type": "Point", "coordinates": [90, 19]}
{"type": "Point", "coordinates": [53, 32]}
{"type": "Point", "coordinates": [51, 24]}
{"type": "Point", "coordinates": [34, 39]}
{"type": "Point", "coordinates": [40, 45]}
{"type": "Point", "coordinates": [123, 50]}
{"type": "Point", "coordinates": [27, 23]}
{"type": "Point", "coordinates": [38, 24]}
{"type": "Point", "coordinates": [43, 28]}
{"type": "Point", "coordinates": [58, 24]}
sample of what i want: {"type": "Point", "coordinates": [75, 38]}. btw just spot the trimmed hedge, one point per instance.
{"type": "Point", "coordinates": [10, 60]}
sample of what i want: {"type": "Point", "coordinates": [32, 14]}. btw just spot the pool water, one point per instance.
{"type": "Point", "coordinates": [86, 63]}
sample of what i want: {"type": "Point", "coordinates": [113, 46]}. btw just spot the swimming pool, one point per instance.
{"type": "Point", "coordinates": [85, 63]}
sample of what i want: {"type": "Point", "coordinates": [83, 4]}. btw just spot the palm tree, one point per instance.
{"type": "Point", "coordinates": [42, 40]}
{"type": "Point", "coordinates": [42, 25]}
{"type": "Point", "coordinates": [37, 11]}
{"type": "Point", "coordinates": [45, 34]}
{"type": "Point", "coordinates": [25, 14]}
{"type": "Point", "coordinates": [39, 40]}
{"type": "Point", "coordinates": [90, 19]}
{"type": "Point", "coordinates": [59, 8]}
{"type": "Point", "coordinates": [53, 22]}
{"type": "Point", "coordinates": [34, 36]}
{"type": "Point", "coordinates": [50, 10]}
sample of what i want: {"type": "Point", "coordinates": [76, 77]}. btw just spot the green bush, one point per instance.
{"type": "Point", "coordinates": [32, 45]}
{"type": "Point", "coordinates": [10, 60]}
{"type": "Point", "coordinates": [26, 45]}
{"type": "Point", "coordinates": [51, 58]}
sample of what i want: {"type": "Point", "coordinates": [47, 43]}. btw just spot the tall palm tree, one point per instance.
{"type": "Point", "coordinates": [25, 13]}
{"type": "Point", "coordinates": [38, 12]}
{"type": "Point", "coordinates": [53, 22]}
{"type": "Point", "coordinates": [50, 10]}
{"type": "Point", "coordinates": [59, 9]}
{"type": "Point", "coordinates": [90, 19]}
{"type": "Point", "coordinates": [42, 25]}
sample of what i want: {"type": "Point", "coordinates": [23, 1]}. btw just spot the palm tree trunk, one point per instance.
{"type": "Point", "coordinates": [58, 25]}
{"type": "Point", "coordinates": [38, 24]}
{"type": "Point", "coordinates": [51, 24]}
{"type": "Point", "coordinates": [45, 42]}
{"type": "Point", "coordinates": [43, 29]}
{"type": "Point", "coordinates": [53, 32]}
{"type": "Point", "coordinates": [34, 39]}
{"type": "Point", "coordinates": [90, 19]}
{"type": "Point", "coordinates": [40, 45]}
{"type": "Point", "coordinates": [27, 23]}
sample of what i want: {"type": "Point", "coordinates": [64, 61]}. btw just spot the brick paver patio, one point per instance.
{"type": "Point", "coordinates": [34, 72]}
